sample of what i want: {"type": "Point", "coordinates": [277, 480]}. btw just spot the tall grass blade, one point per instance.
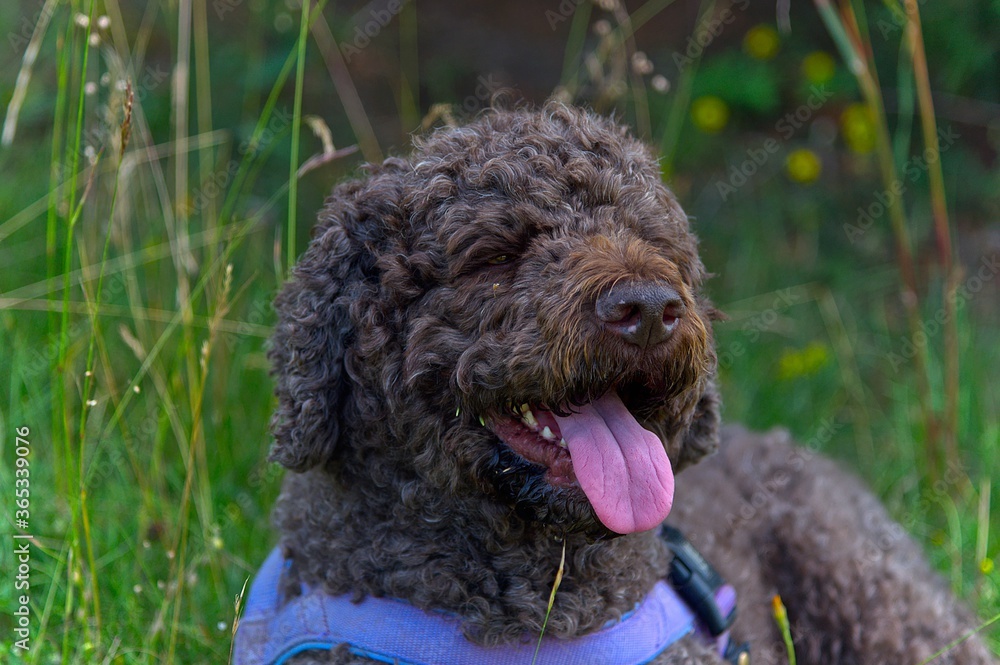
{"type": "Point", "coordinates": [293, 167]}
{"type": "Point", "coordinates": [781, 618]}
{"type": "Point", "coordinates": [24, 74]}
{"type": "Point", "coordinates": [552, 600]}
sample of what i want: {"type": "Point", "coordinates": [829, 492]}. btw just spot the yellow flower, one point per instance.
{"type": "Point", "coordinates": [709, 114]}
{"type": "Point", "coordinates": [778, 607]}
{"type": "Point", "coordinates": [818, 67]}
{"type": "Point", "coordinates": [986, 566]}
{"type": "Point", "coordinates": [803, 362]}
{"type": "Point", "coordinates": [858, 125]}
{"type": "Point", "coordinates": [761, 42]}
{"type": "Point", "coordinates": [803, 165]}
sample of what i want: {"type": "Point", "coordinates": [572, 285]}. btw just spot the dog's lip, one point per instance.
{"type": "Point", "coordinates": [534, 435]}
{"type": "Point", "coordinates": [531, 431]}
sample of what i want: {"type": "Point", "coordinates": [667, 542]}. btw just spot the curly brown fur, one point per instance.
{"type": "Point", "coordinates": [775, 518]}
{"type": "Point", "coordinates": [443, 291]}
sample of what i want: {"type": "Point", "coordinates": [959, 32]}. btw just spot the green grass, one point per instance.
{"type": "Point", "coordinates": [138, 278]}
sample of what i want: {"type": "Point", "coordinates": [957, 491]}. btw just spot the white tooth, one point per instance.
{"type": "Point", "coordinates": [563, 444]}
{"type": "Point", "coordinates": [528, 417]}
{"type": "Point", "coordinates": [547, 433]}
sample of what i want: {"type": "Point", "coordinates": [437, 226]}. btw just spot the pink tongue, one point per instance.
{"type": "Point", "coordinates": [622, 468]}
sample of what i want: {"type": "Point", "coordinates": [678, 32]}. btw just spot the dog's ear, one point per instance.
{"type": "Point", "coordinates": [313, 333]}
{"type": "Point", "coordinates": [702, 437]}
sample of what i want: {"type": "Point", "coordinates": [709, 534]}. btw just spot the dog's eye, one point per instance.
{"type": "Point", "coordinates": [499, 259]}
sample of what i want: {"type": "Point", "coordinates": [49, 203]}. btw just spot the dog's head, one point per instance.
{"type": "Point", "coordinates": [513, 311]}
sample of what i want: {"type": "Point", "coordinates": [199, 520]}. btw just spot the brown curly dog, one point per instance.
{"type": "Point", "coordinates": [498, 348]}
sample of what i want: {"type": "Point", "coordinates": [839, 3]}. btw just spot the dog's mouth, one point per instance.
{"type": "Point", "coordinates": [620, 466]}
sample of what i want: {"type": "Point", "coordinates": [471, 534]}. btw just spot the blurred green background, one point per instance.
{"type": "Point", "coordinates": [142, 245]}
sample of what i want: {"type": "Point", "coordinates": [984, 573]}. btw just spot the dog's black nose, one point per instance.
{"type": "Point", "coordinates": [641, 313]}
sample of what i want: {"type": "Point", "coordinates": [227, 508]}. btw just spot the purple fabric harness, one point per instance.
{"type": "Point", "coordinates": [391, 631]}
